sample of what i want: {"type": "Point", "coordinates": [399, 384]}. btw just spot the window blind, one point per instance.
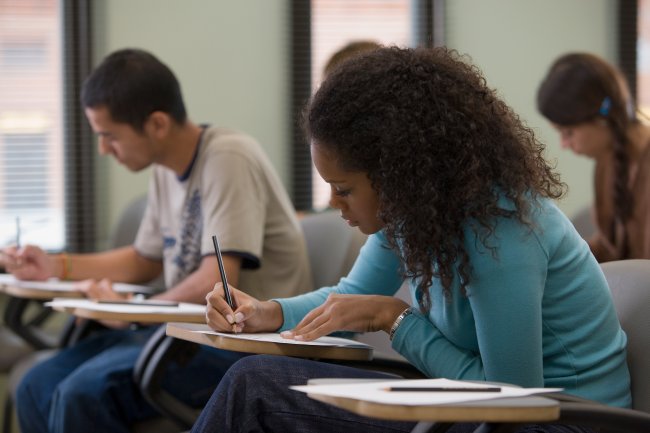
{"type": "Point", "coordinates": [42, 43]}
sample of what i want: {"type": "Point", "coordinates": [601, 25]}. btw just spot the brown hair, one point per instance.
{"type": "Point", "coordinates": [348, 51]}
{"type": "Point", "coordinates": [580, 87]}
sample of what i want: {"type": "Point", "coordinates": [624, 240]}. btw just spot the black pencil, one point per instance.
{"type": "Point", "coordinates": [17, 232]}
{"type": "Point", "coordinates": [442, 389]}
{"type": "Point", "coordinates": [222, 271]}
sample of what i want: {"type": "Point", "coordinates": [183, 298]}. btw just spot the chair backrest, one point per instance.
{"type": "Point", "coordinates": [583, 221]}
{"type": "Point", "coordinates": [332, 246]}
{"type": "Point", "coordinates": [124, 231]}
{"type": "Point", "coordinates": [629, 282]}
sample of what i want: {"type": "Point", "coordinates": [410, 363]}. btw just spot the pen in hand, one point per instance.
{"type": "Point", "coordinates": [17, 233]}
{"type": "Point", "coordinates": [222, 271]}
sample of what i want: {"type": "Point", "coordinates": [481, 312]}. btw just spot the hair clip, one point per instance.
{"type": "Point", "coordinates": [605, 106]}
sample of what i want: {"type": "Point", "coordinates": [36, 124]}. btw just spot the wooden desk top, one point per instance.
{"type": "Point", "coordinates": [520, 409]}
{"type": "Point", "coordinates": [38, 294]}
{"type": "Point", "coordinates": [188, 332]}
{"type": "Point", "coordinates": [529, 408]}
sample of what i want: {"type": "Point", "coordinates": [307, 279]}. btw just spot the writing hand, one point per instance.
{"type": "Point", "coordinates": [251, 314]}
{"type": "Point", "coordinates": [28, 263]}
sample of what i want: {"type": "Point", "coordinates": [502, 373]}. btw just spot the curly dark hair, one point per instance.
{"type": "Point", "coordinates": [440, 149]}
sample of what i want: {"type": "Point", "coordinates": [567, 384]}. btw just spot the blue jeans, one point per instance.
{"type": "Point", "coordinates": [254, 396]}
{"type": "Point", "coordinates": [89, 387]}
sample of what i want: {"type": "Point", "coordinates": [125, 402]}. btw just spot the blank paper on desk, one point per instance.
{"type": "Point", "coordinates": [56, 285]}
{"type": "Point", "coordinates": [377, 392]}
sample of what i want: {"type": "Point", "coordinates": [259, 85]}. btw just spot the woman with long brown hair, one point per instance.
{"type": "Point", "coordinates": [589, 103]}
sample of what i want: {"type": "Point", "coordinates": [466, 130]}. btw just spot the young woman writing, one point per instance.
{"type": "Point", "coordinates": [456, 196]}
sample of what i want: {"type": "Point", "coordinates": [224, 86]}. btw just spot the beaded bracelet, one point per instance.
{"type": "Point", "coordinates": [67, 267]}
{"type": "Point", "coordinates": [398, 321]}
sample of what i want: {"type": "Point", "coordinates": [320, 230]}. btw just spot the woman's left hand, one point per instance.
{"type": "Point", "coordinates": [357, 313]}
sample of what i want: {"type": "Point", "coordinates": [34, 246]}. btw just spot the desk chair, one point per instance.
{"type": "Point", "coordinates": [629, 283]}
{"type": "Point", "coordinates": [332, 247]}
{"type": "Point", "coordinates": [123, 233]}
{"type": "Point", "coordinates": [13, 347]}
{"type": "Point", "coordinates": [583, 221]}
{"type": "Point", "coordinates": [126, 228]}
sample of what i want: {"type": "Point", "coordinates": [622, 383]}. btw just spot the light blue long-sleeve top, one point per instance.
{"type": "Point", "coordinates": [538, 312]}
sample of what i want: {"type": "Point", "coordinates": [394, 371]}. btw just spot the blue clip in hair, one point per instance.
{"type": "Point", "coordinates": [605, 106]}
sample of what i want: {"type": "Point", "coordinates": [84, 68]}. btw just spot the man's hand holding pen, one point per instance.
{"type": "Point", "coordinates": [28, 263]}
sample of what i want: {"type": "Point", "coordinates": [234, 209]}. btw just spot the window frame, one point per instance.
{"type": "Point", "coordinates": [628, 33]}
{"type": "Point", "coordinates": [79, 152]}
{"type": "Point", "coordinates": [428, 22]}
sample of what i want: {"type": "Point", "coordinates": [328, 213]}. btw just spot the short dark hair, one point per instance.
{"type": "Point", "coordinates": [132, 84]}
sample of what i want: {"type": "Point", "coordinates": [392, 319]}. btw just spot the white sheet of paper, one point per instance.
{"type": "Point", "coordinates": [183, 307]}
{"type": "Point", "coordinates": [55, 285]}
{"type": "Point", "coordinates": [377, 391]}
{"type": "Point", "coordinates": [277, 338]}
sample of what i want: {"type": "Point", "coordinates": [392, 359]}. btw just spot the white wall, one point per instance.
{"type": "Point", "coordinates": [515, 41]}
{"type": "Point", "coordinates": [232, 60]}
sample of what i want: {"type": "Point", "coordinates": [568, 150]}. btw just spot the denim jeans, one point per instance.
{"type": "Point", "coordinates": [89, 387]}
{"type": "Point", "coordinates": [254, 396]}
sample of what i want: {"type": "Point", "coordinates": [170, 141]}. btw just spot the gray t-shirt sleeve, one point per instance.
{"type": "Point", "coordinates": [234, 205]}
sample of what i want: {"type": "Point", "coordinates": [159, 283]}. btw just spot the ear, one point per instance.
{"type": "Point", "coordinates": [158, 125]}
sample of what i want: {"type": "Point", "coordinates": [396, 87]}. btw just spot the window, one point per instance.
{"type": "Point", "coordinates": [46, 151]}
{"type": "Point", "coordinates": [24, 54]}
{"type": "Point", "coordinates": [24, 179]}
{"type": "Point", "coordinates": [31, 136]}
{"type": "Point", "coordinates": [320, 28]}
{"type": "Point", "coordinates": [337, 22]}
